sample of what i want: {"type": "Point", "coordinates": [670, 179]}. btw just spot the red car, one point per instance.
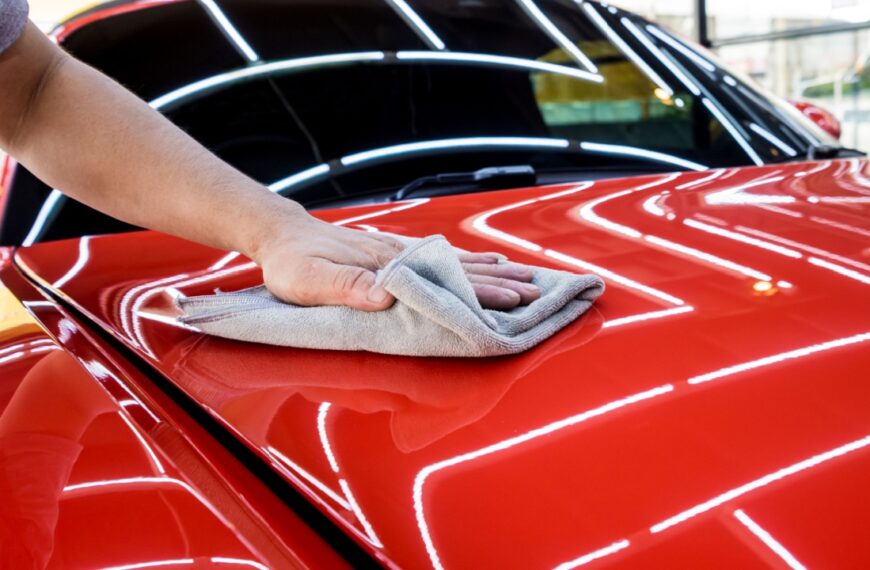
{"type": "Point", "coordinates": [712, 410]}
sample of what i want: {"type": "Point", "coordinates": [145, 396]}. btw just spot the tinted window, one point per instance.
{"type": "Point", "coordinates": [583, 74]}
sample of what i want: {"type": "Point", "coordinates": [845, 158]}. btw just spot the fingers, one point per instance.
{"type": "Point", "coordinates": [497, 298]}
{"type": "Point", "coordinates": [526, 291]}
{"type": "Point", "coordinates": [488, 258]}
{"type": "Point", "coordinates": [512, 271]}
{"type": "Point", "coordinates": [328, 283]}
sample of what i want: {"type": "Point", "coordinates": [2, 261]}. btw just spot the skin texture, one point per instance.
{"type": "Point", "coordinates": [80, 132]}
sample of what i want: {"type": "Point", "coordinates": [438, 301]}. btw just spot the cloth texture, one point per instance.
{"type": "Point", "coordinates": [436, 312]}
{"type": "Point", "coordinates": [13, 16]}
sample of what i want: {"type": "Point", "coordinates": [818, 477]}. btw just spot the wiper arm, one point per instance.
{"type": "Point", "coordinates": [822, 151]}
{"type": "Point", "coordinates": [491, 178]}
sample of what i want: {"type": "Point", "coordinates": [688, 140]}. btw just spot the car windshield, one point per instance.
{"type": "Point", "coordinates": [456, 86]}
{"type": "Point", "coordinates": [341, 102]}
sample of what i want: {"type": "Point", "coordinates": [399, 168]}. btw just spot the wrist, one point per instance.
{"type": "Point", "coordinates": [284, 222]}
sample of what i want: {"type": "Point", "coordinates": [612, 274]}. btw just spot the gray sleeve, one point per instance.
{"type": "Point", "coordinates": [13, 16]}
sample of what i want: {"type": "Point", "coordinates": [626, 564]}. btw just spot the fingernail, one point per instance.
{"type": "Point", "coordinates": [499, 258]}
{"type": "Point", "coordinates": [511, 296]}
{"type": "Point", "coordinates": [377, 295]}
{"type": "Point", "coordinates": [531, 288]}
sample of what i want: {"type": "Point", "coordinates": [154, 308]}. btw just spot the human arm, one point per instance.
{"type": "Point", "coordinates": [81, 132]}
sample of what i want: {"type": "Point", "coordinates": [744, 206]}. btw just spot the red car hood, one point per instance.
{"type": "Point", "coordinates": [714, 405]}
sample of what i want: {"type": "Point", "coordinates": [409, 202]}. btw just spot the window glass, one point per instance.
{"type": "Point", "coordinates": [838, 82]}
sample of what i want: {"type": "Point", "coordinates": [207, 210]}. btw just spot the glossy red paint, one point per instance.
{"type": "Point", "coordinates": [821, 117]}
{"type": "Point", "coordinates": [717, 388]}
{"type": "Point", "coordinates": [98, 473]}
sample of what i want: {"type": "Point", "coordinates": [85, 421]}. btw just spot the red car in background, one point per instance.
{"type": "Point", "coordinates": [712, 410]}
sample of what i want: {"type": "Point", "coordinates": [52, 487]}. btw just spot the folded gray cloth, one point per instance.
{"type": "Point", "coordinates": [436, 312]}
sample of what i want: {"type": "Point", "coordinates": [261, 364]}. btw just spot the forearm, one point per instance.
{"type": "Point", "coordinates": [78, 130]}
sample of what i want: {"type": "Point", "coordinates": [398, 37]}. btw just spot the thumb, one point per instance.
{"type": "Point", "coordinates": [351, 286]}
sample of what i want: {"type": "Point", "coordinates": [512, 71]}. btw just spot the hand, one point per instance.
{"type": "Point", "coordinates": [316, 263]}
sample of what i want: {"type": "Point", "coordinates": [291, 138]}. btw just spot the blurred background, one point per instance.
{"type": "Point", "coordinates": [813, 50]}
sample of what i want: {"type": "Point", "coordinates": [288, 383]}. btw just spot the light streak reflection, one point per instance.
{"type": "Point", "coordinates": [418, 24]}
{"type": "Point", "coordinates": [760, 482]}
{"type": "Point", "coordinates": [499, 61]}
{"type": "Point", "coordinates": [595, 555]}
{"type": "Point", "coordinates": [428, 471]}
{"type": "Point", "coordinates": [84, 255]}
{"type": "Point", "coordinates": [778, 358]}
{"type": "Point", "coordinates": [623, 47]}
{"type": "Point", "coordinates": [768, 540]}
{"type": "Point", "coordinates": [229, 30]}
{"type": "Point", "coordinates": [549, 28]}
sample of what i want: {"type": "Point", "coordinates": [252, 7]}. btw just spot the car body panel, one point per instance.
{"type": "Point", "coordinates": [716, 388]}
{"type": "Point", "coordinates": [99, 471]}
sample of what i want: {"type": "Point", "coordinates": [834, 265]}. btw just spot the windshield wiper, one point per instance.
{"type": "Point", "coordinates": [822, 151]}
{"type": "Point", "coordinates": [491, 178]}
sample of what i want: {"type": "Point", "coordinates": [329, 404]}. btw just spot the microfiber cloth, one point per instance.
{"type": "Point", "coordinates": [436, 312]}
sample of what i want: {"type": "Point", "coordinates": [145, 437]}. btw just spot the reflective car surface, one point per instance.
{"type": "Point", "coordinates": [711, 410]}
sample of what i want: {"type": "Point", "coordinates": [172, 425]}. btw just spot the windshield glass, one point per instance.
{"type": "Point", "coordinates": [555, 84]}
{"type": "Point", "coordinates": [341, 102]}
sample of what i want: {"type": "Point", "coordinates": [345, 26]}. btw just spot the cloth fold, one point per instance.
{"type": "Point", "coordinates": [436, 312]}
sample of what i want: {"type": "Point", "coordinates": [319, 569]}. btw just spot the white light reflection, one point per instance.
{"type": "Point", "coordinates": [772, 139]}
{"type": "Point", "coordinates": [152, 456]}
{"type": "Point", "coordinates": [817, 169]}
{"type": "Point", "coordinates": [760, 482]}
{"type": "Point", "coordinates": [413, 203]}
{"type": "Point", "coordinates": [803, 246]}
{"type": "Point", "coordinates": [481, 224]}
{"type": "Point", "coordinates": [428, 471]}
{"type": "Point", "coordinates": [733, 130]}
{"type": "Point", "coordinates": [647, 316]}
{"type": "Point", "coordinates": [736, 195]}
{"type": "Point", "coordinates": [840, 226]}
{"type": "Point", "coordinates": [601, 553]}
{"type": "Point", "coordinates": [23, 353]}
{"type": "Point", "coordinates": [84, 489]}
{"type": "Point", "coordinates": [187, 562]}
{"type": "Point", "coordinates": [238, 561]}
{"type": "Point", "coordinates": [701, 181]}
{"type": "Point", "coordinates": [312, 173]}
{"type": "Point", "coordinates": [689, 53]}
{"type": "Point", "coordinates": [470, 142]}
{"type": "Point", "coordinates": [641, 153]}
{"type": "Point", "coordinates": [360, 516]}
{"type": "Point", "coordinates": [166, 320]}
{"type": "Point", "coordinates": [708, 257]}
{"type": "Point", "coordinates": [297, 470]}
{"type": "Point", "coordinates": [26, 345]}
{"type": "Point", "coordinates": [261, 70]}
{"type": "Point", "coordinates": [229, 30]}
{"type": "Point", "coordinates": [778, 358]}
{"type": "Point", "coordinates": [607, 274]}
{"type": "Point", "coordinates": [535, 13]}
{"type": "Point", "coordinates": [224, 261]}
{"type": "Point", "coordinates": [787, 252]}
{"type": "Point", "coordinates": [778, 210]}
{"type": "Point", "coordinates": [419, 24]}
{"type": "Point", "coordinates": [661, 56]}
{"type": "Point", "coordinates": [324, 440]}
{"type": "Point", "coordinates": [587, 212]}
{"type": "Point", "coordinates": [131, 296]}
{"type": "Point", "coordinates": [154, 564]}
{"type": "Point", "coordinates": [500, 61]}
{"type": "Point", "coordinates": [620, 44]}
{"type": "Point", "coordinates": [768, 540]}
{"type": "Point", "coordinates": [84, 254]}
{"type": "Point", "coordinates": [839, 269]}
{"type": "Point", "coordinates": [42, 218]}
{"type": "Point", "coordinates": [651, 205]}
